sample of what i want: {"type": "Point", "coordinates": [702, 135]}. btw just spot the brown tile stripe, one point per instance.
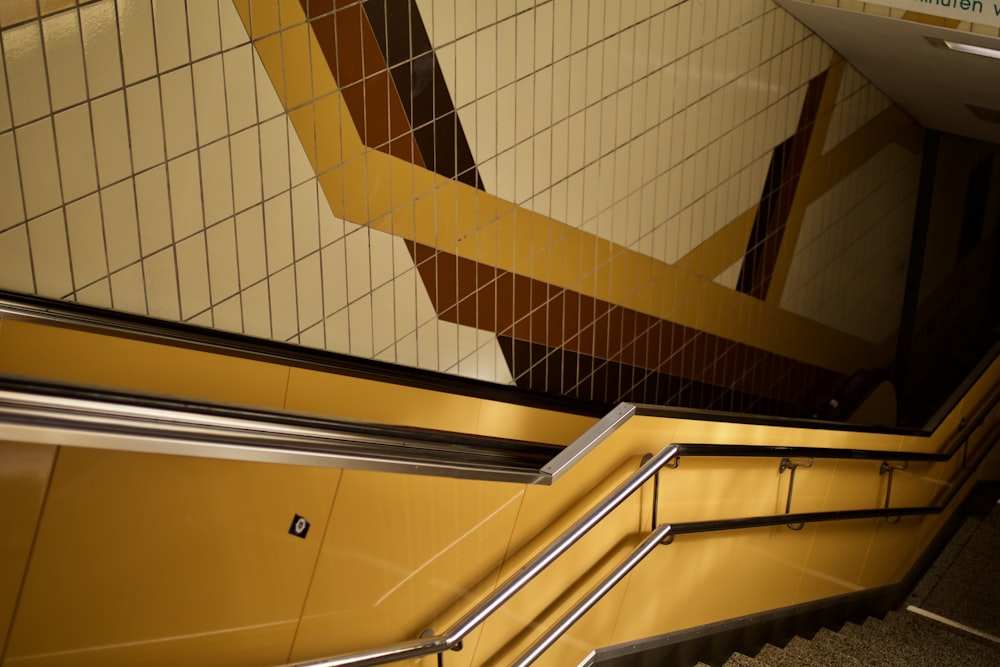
{"type": "Point", "coordinates": [382, 58]}
{"type": "Point", "coordinates": [584, 377]}
{"type": "Point", "coordinates": [407, 49]}
{"type": "Point", "coordinates": [776, 201]}
{"type": "Point", "coordinates": [346, 38]}
{"type": "Point", "coordinates": [525, 309]}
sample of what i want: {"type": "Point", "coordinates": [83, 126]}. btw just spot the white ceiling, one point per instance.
{"type": "Point", "coordinates": [932, 83]}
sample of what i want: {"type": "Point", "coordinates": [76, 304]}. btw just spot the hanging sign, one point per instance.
{"type": "Point", "coordinates": [983, 12]}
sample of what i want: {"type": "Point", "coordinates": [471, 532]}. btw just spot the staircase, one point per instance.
{"type": "Point", "coordinates": [902, 639]}
{"type": "Point", "coordinates": [963, 585]}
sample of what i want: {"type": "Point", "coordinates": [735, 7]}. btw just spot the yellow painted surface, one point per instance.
{"type": "Point", "coordinates": [24, 477]}
{"type": "Point", "coordinates": [390, 555]}
{"type": "Point", "coordinates": [71, 355]}
{"type": "Point", "coordinates": [399, 549]}
{"type": "Point", "coordinates": [191, 555]}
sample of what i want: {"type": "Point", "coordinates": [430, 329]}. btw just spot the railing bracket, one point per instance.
{"type": "Point", "coordinates": [789, 464]}
{"type": "Point", "coordinates": [890, 468]}
{"type": "Point", "coordinates": [673, 463]}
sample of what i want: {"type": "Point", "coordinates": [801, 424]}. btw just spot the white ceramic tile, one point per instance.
{"type": "Point", "coordinates": [268, 103]}
{"type": "Point", "coordinates": [26, 78]}
{"type": "Point", "coordinates": [50, 255]}
{"type": "Point", "coordinates": [251, 245]}
{"type": "Point", "coordinates": [15, 261]}
{"type": "Point", "coordinates": [111, 140]}
{"type": "Point", "coordinates": [145, 124]}
{"type": "Point", "coordinates": [178, 111]}
{"type": "Point", "coordinates": [101, 49]}
{"type": "Point", "coordinates": [192, 272]}
{"type": "Point", "coordinates": [245, 149]}
{"type": "Point", "coordinates": [257, 310]}
{"type": "Point", "coordinates": [334, 268]}
{"type": "Point", "coordinates": [278, 229]}
{"type": "Point", "coordinates": [171, 29]}
{"type": "Point", "coordinates": [223, 269]}
{"type": "Point", "coordinates": [121, 227]}
{"type": "Point", "coordinates": [338, 332]}
{"type": "Point", "coordinates": [314, 336]}
{"type": "Point", "coordinates": [74, 140]}
{"type": "Point", "coordinates": [12, 211]}
{"type": "Point", "coordinates": [309, 291]}
{"type": "Point", "coordinates": [274, 156]}
{"type": "Point", "coordinates": [203, 25]}
{"type": "Point", "coordinates": [383, 309]}
{"type": "Point", "coordinates": [305, 219]}
{"type": "Point", "coordinates": [228, 315]}
{"type": "Point", "coordinates": [36, 152]}
{"type": "Point", "coordinates": [216, 181]}
{"type": "Point", "coordinates": [5, 121]}
{"type": "Point", "coordinates": [284, 318]}
{"type": "Point", "coordinates": [359, 315]}
{"type": "Point", "coordinates": [160, 272]}
{"type": "Point", "coordinates": [233, 32]}
{"type": "Point", "coordinates": [153, 203]}
{"type": "Point", "coordinates": [185, 195]}
{"type": "Point", "coordinates": [210, 99]}
{"type": "Point", "coordinates": [301, 168]}
{"type": "Point", "coordinates": [128, 290]}
{"type": "Point", "coordinates": [64, 58]}
{"type": "Point", "coordinates": [135, 26]}
{"type": "Point", "coordinates": [240, 94]}
{"type": "Point", "coordinates": [381, 254]}
{"type": "Point", "coordinates": [359, 265]}
{"type": "Point", "coordinates": [86, 240]}
{"type": "Point", "coordinates": [98, 294]}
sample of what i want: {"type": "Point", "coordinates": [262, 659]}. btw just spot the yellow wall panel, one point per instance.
{"type": "Point", "coordinates": [400, 549]}
{"type": "Point", "coordinates": [67, 354]}
{"type": "Point", "coordinates": [24, 477]}
{"type": "Point", "coordinates": [339, 396]}
{"type": "Point", "coordinates": [523, 423]}
{"type": "Point", "coordinates": [836, 558]}
{"type": "Point", "coordinates": [185, 557]}
{"type": "Point", "coordinates": [892, 551]}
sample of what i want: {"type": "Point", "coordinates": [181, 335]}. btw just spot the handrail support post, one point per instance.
{"type": "Point", "coordinates": [789, 464]}
{"type": "Point", "coordinates": [890, 469]}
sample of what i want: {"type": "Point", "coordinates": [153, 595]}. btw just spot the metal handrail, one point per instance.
{"type": "Point", "coordinates": [453, 636]}
{"type": "Point", "coordinates": [599, 591]}
{"type": "Point", "coordinates": [656, 538]}
{"type": "Point", "coordinates": [46, 412]}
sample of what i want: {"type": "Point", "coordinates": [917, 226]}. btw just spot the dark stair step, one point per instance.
{"type": "Point", "coordinates": [836, 649]}
{"type": "Point", "coordinates": [740, 660]}
{"type": "Point", "coordinates": [861, 646]}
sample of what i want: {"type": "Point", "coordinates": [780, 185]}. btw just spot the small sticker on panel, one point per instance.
{"type": "Point", "coordinates": [299, 527]}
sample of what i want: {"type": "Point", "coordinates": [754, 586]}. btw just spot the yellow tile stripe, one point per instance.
{"type": "Point", "coordinates": [721, 250]}
{"type": "Point", "coordinates": [824, 171]}
{"type": "Point", "coordinates": [369, 187]}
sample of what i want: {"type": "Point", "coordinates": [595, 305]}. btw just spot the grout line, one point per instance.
{"type": "Point", "coordinates": [953, 624]}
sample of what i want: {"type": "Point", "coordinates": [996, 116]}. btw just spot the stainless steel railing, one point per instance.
{"type": "Point", "coordinates": [453, 636]}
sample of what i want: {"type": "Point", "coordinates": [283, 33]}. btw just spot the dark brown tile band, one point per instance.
{"type": "Point", "coordinates": [776, 200]}
{"type": "Point", "coordinates": [406, 47]}
{"type": "Point", "coordinates": [567, 322]}
{"type": "Point", "coordinates": [353, 54]}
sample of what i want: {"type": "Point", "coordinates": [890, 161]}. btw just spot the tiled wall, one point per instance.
{"type": "Point", "coordinates": [653, 201]}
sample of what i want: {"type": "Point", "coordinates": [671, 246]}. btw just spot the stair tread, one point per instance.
{"type": "Point", "coordinates": [741, 660]}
